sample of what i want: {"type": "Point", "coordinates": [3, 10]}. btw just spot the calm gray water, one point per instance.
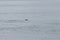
{"type": "Point", "coordinates": [29, 20]}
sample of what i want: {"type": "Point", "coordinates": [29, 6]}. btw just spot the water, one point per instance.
{"type": "Point", "coordinates": [30, 20]}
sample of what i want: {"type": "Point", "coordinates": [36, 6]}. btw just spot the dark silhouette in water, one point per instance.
{"type": "Point", "coordinates": [26, 19]}
{"type": "Point", "coordinates": [14, 21]}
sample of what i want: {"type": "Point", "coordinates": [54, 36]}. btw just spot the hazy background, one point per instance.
{"type": "Point", "coordinates": [43, 20]}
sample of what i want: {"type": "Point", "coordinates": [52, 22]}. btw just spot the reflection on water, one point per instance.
{"type": "Point", "coordinates": [25, 28]}
{"type": "Point", "coordinates": [38, 30]}
{"type": "Point", "coordinates": [33, 28]}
